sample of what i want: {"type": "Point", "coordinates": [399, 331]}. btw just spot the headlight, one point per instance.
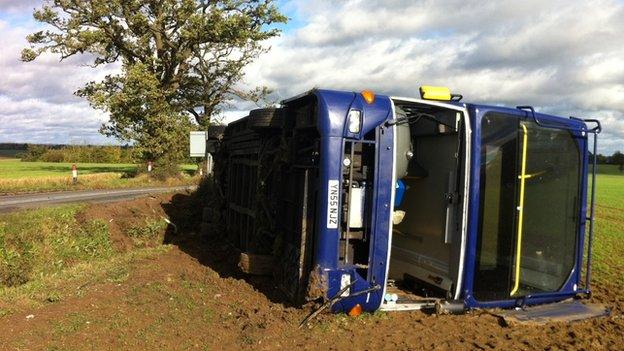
{"type": "Point", "coordinates": [355, 121]}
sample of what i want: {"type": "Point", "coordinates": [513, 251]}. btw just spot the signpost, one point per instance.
{"type": "Point", "coordinates": [198, 148]}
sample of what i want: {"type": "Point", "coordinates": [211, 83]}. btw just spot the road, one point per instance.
{"type": "Point", "coordinates": [15, 202]}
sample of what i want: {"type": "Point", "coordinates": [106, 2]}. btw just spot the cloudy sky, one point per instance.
{"type": "Point", "coordinates": [563, 57]}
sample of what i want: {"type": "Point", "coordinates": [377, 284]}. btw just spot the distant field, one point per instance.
{"type": "Point", "coordinates": [14, 168]}
{"type": "Point", "coordinates": [609, 169]}
{"type": "Point", "coordinates": [19, 177]}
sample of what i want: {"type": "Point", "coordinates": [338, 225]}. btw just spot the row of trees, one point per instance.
{"type": "Point", "coordinates": [79, 153]}
{"type": "Point", "coordinates": [181, 61]}
{"type": "Point", "coordinates": [617, 158]}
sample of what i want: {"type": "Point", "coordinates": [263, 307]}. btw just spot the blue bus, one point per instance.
{"type": "Point", "coordinates": [403, 203]}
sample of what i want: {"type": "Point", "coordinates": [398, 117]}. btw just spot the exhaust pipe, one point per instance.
{"type": "Point", "coordinates": [450, 307]}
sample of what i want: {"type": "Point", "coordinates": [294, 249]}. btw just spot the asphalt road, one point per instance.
{"type": "Point", "coordinates": [16, 202]}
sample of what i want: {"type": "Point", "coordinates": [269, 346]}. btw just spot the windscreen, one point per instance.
{"type": "Point", "coordinates": [530, 178]}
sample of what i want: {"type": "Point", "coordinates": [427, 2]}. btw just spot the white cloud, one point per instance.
{"type": "Point", "coordinates": [35, 120]}
{"type": "Point", "coordinates": [37, 103]}
{"type": "Point", "coordinates": [564, 57]}
{"type": "Point", "coordinates": [11, 6]}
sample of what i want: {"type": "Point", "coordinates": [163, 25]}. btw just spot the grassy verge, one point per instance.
{"type": "Point", "coordinates": [45, 251]}
{"type": "Point", "coordinates": [73, 281]}
{"type": "Point", "coordinates": [46, 241]}
{"type": "Point", "coordinates": [19, 177]}
{"type": "Point", "coordinates": [87, 182]}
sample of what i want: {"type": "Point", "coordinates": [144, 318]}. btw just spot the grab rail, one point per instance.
{"type": "Point", "coordinates": [596, 130]}
{"type": "Point", "coordinates": [592, 206]}
{"type": "Point", "coordinates": [553, 126]}
{"type": "Point", "coordinates": [532, 110]}
{"type": "Point", "coordinates": [523, 176]}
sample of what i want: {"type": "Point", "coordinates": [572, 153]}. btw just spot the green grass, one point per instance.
{"type": "Point", "coordinates": [145, 234]}
{"type": "Point", "coordinates": [46, 241]}
{"type": "Point", "coordinates": [610, 191]}
{"type": "Point", "coordinates": [20, 177]}
{"type": "Point", "coordinates": [609, 229]}
{"type": "Point", "coordinates": [609, 169]}
{"type": "Point", "coordinates": [74, 280]}
{"type": "Point", "coordinates": [14, 168]}
{"type": "Point", "coordinates": [43, 250]}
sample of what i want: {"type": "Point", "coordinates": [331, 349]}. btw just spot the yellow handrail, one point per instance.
{"type": "Point", "coordinates": [522, 177]}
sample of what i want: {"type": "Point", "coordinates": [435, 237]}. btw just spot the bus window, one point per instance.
{"type": "Point", "coordinates": [530, 248]}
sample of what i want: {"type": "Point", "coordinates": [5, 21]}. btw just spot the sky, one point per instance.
{"type": "Point", "coordinates": [563, 57]}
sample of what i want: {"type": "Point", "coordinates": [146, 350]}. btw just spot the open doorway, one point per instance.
{"type": "Point", "coordinates": [427, 238]}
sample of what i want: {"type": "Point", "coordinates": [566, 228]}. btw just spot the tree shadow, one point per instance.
{"type": "Point", "coordinates": [185, 212]}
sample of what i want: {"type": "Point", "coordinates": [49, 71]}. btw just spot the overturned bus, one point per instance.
{"type": "Point", "coordinates": [395, 203]}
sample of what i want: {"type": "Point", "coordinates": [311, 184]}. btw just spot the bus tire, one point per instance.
{"type": "Point", "coordinates": [266, 118]}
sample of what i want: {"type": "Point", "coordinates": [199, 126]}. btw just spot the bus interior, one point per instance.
{"type": "Point", "coordinates": [427, 221]}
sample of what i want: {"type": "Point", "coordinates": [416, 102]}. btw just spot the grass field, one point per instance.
{"type": "Point", "coordinates": [17, 176]}
{"type": "Point", "coordinates": [609, 169]}
{"type": "Point", "coordinates": [609, 230]}
{"type": "Point", "coordinates": [14, 168]}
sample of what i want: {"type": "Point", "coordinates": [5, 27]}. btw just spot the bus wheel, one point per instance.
{"type": "Point", "coordinates": [266, 118]}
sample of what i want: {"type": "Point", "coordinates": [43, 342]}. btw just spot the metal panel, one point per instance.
{"type": "Point", "coordinates": [332, 113]}
{"type": "Point", "coordinates": [197, 144]}
{"type": "Point", "coordinates": [424, 201]}
{"type": "Point", "coordinates": [559, 312]}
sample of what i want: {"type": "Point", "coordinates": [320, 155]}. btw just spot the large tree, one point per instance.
{"type": "Point", "coordinates": [181, 60]}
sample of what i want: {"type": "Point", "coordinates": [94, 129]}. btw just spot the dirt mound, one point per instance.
{"type": "Point", "coordinates": [124, 217]}
{"type": "Point", "coordinates": [194, 297]}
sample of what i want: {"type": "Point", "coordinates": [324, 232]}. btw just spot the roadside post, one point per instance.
{"type": "Point", "coordinates": [74, 174]}
{"type": "Point", "coordinates": [150, 165]}
{"type": "Point", "coordinates": [208, 154]}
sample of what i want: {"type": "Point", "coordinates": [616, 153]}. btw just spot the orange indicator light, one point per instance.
{"type": "Point", "coordinates": [368, 96]}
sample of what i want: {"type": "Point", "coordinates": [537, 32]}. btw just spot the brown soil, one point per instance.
{"type": "Point", "coordinates": [193, 297]}
{"type": "Point", "coordinates": [122, 216]}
